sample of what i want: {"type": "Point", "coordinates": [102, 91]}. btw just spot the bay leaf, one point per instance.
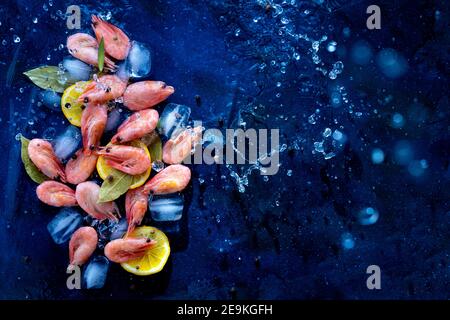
{"type": "Point", "coordinates": [155, 149]}
{"type": "Point", "coordinates": [49, 78]}
{"type": "Point", "coordinates": [30, 168]}
{"type": "Point", "coordinates": [115, 185]}
{"type": "Point", "coordinates": [101, 55]}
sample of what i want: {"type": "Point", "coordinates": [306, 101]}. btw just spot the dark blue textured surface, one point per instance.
{"type": "Point", "coordinates": [281, 238]}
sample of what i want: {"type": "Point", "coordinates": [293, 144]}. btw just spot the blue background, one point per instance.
{"type": "Point", "coordinates": [281, 238]}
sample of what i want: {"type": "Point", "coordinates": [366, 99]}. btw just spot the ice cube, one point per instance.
{"type": "Point", "coordinates": [167, 207]}
{"type": "Point", "coordinates": [66, 144]}
{"type": "Point", "coordinates": [94, 276]}
{"type": "Point", "coordinates": [139, 60]}
{"type": "Point", "coordinates": [50, 99]}
{"type": "Point", "coordinates": [115, 117]}
{"type": "Point", "coordinates": [64, 224]}
{"type": "Point", "coordinates": [118, 230]}
{"type": "Point", "coordinates": [173, 119]}
{"type": "Point", "coordinates": [77, 69]}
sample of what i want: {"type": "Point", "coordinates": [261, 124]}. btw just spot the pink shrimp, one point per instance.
{"type": "Point", "coordinates": [56, 194]}
{"type": "Point", "coordinates": [82, 245]}
{"type": "Point", "coordinates": [177, 149]}
{"type": "Point", "coordinates": [42, 155]}
{"type": "Point", "coordinates": [108, 87]}
{"type": "Point", "coordinates": [117, 44]}
{"type": "Point", "coordinates": [136, 126]}
{"type": "Point", "coordinates": [173, 178]}
{"type": "Point", "coordinates": [93, 122]}
{"type": "Point", "coordinates": [146, 94]}
{"type": "Point", "coordinates": [136, 204]}
{"type": "Point", "coordinates": [123, 250]}
{"type": "Point", "coordinates": [80, 167]}
{"type": "Point", "coordinates": [130, 160]}
{"type": "Point", "coordinates": [87, 197]}
{"type": "Point", "coordinates": [85, 48]}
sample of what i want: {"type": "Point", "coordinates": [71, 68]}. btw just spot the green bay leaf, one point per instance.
{"type": "Point", "coordinates": [31, 169]}
{"type": "Point", "coordinates": [101, 55]}
{"type": "Point", "coordinates": [115, 185]}
{"type": "Point", "coordinates": [49, 78]}
{"type": "Point", "coordinates": [155, 149]}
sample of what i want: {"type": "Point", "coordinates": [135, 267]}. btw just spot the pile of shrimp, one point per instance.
{"type": "Point", "coordinates": [69, 184]}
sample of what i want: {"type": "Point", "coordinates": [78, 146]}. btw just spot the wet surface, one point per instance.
{"type": "Point", "coordinates": [363, 118]}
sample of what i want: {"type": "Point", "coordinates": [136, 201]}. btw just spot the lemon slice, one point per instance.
{"type": "Point", "coordinates": [71, 108]}
{"type": "Point", "coordinates": [155, 258]}
{"type": "Point", "coordinates": [138, 180]}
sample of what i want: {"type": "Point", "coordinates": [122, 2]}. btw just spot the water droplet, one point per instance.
{"type": "Point", "coordinates": [347, 241]}
{"type": "Point", "coordinates": [397, 120]}
{"type": "Point", "coordinates": [377, 156]}
{"type": "Point", "coordinates": [4, 42]}
{"type": "Point", "coordinates": [368, 216]}
{"type": "Point", "coordinates": [285, 20]}
{"type": "Point", "coordinates": [16, 38]}
{"type": "Point", "coordinates": [315, 45]}
{"type": "Point", "coordinates": [318, 146]}
{"type": "Point", "coordinates": [289, 173]}
{"type": "Point", "coordinates": [18, 136]}
{"type": "Point", "coordinates": [326, 133]}
{"type": "Point", "coordinates": [237, 32]}
{"type": "Point", "coordinates": [35, 20]}
{"type": "Point", "coordinates": [329, 155]}
{"type": "Point", "coordinates": [312, 119]}
{"type": "Point", "coordinates": [331, 47]}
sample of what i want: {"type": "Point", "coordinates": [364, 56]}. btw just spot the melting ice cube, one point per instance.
{"type": "Point", "coordinates": [67, 143]}
{"type": "Point", "coordinates": [139, 60]}
{"type": "Point", "coordinates": [94, 276]}
{"type": "Point", "coordinates": [173, 119]}
{"type": "Point", "coordinates": [50, 99]}
{"type": "Point", "coordinates": [167, 207]}
{"type": "Point", "coordinates": [115, 118]}
{"type": "Point", "coordinates": [118, 230]}
{"type": "Point", "coordinates": [77, 69]}
{"type": "Point", "coordinates": [64, 224]}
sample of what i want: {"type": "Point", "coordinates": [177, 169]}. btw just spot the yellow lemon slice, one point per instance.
{"type": "Point", "coordinates": [71, 108]}
{"type": "Point", "coordinates": [104, 170]}
{"type": "Point", "coordinates": [155, 258]}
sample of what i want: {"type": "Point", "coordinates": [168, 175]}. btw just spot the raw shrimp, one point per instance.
{"type": "Point", "coordinates": [82, 245]}
{"type": "Point", "coordinates": [80, 167]}
{"type": "Point", "coordinates": [177, 149]}
{"type": "Point", "coordinates": [108, 87]}
{"type": "Point", "coordinates": [137, 125]}
{"type": "Point", "coordinates": [42, 155]}
{"type": "Point", "coordinates": [85, 48]}
{"type": "Point", "coordinates": [93, 123]}
{"type": "Point", "coordinates": [173, 178]}
{"type": "Point", "coordinates": [123, 250]}
{"type": "Point", "coordinates": [136, 204]}
{"type": "Point", "coordinates": [130, 160]}
{"type": "Point", "coordinates": [56, 194]}
{"type": "Point", "coordinates": [117, 44]}
{"type": "Point", "coordinates": [87, 198]}
{"type": "Point", "coordinates": [146, 94]}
